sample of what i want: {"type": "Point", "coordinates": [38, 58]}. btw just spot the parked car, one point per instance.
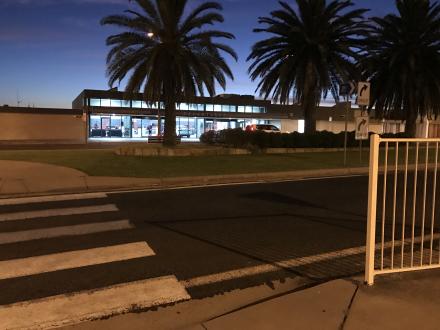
{"type": "Point", "coordinates": [263, 127]}
{"type": "Point", "coordinates": [186, 132]}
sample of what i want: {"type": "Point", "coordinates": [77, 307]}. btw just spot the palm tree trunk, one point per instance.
{"type": "Point", "coordinates": [169, 139]}
{"type": "Point", "coordinates": [411, 117]}
{"type": "Point", "coordinates": [310, 113]}
{"type": "Point", "coordinates": [411, 125]}
{"type": "Point", "coordinates": [309, 100]}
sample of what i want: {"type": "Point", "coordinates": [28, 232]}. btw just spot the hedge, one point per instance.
{"type": "Point", "coordinates": [239, 138]}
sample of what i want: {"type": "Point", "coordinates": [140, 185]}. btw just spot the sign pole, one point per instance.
{"type": "Point", "coordinates": [360, 141]}
{"type": "Point", "coordinates": [362, 122]}
{"type": "Point", "coordinates": [347, 90]}
{"type": "Point", "coordinates": [346, 129]}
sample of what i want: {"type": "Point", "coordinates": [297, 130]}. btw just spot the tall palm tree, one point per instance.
{"type": "Point", "coordinates": [169, 55]}
{"type": "Point", "coordinates": [403, 63]}
{"type": "Point", "coordinates": [309, 51]}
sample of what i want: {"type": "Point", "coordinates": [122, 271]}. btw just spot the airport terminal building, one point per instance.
{"type": "Point", "coordinates": [106, 116]}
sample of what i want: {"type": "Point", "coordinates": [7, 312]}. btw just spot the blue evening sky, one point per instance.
{"type": "Point", "coordinates": [50, 50]}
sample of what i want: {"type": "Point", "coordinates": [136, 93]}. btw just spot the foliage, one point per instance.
{"type": "Point", "coordinates": [403, 62]}
{"type": "Point", "coordinates": [237, 138]}
{"type": "Point", "coordinates": [309, 52]}
{"type": "Point", "coordinates": [168, 55]}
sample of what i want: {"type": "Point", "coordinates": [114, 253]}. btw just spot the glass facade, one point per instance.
{"type": "Point", "coordinates": [141, 127]}
{"type": "Point", "coordinates": [137, 104]}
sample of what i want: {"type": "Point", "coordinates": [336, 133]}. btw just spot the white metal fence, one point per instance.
{"type": "Point", "coordinates": [403, 233]}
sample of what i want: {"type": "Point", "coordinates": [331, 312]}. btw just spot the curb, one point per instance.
{"type": "Point", "coordinates": [199, 181]}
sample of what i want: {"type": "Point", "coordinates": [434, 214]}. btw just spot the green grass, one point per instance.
{"type": "Point", "coordinates": [106, 163]}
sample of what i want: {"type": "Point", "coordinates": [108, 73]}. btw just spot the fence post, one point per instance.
{"type": "Point", "coordinates": [372, 209]}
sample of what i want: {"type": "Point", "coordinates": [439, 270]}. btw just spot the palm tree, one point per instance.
{"type": "Point", "coordinates": [169, 55]}
{"type": "Point", "coordinates": [309, 52]}
{"type": "Point", "coordinates": [403, 63]}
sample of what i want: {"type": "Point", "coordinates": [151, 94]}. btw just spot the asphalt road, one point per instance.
{"type": "Point", "coordinates": [200, 241]}
{"type": "Point", "coordinates": [197, 233]}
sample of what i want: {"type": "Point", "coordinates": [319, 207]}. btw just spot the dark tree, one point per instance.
{"type": "Point", "coordinates": [403, 63]}
{"type": "Point", "coordinates": [308, 52]}
{"type": "Point", "coordinates": [168, 55]}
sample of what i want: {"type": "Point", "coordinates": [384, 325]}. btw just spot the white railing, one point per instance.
{"type": "Point", "coordinates": [402, 194]}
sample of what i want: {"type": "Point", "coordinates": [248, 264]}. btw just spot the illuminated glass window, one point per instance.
{"type": "Point", "coordinates": [95, 122]}
{"type": "Point", "coordinates": [146, 105]}
{"type": "Point", "coordinates": [257, 109]}
{"type": "Point", "coordinates": [115, 103]}
{"type": "Point", "coordinates": [240, 108]}
{"type": "Point", "coordinates": [193, 107]}
{"type": "Point", "coordinates": [183, 106]}
{"type": "Point", "coordinates": [201, 107]}
{"type": "Point", "coordinates": [248, 109]}
{"type": "Point", "coordinates": [126, 104]}
{"type": "Point", "coordinates": [105, 103]}
{"type": "Point", "coordinates": [209, 107]}
{"type": "Point", "coordinates": [115, 122]}
{"type": "Point", "coordinates": [136, 104]}
{"type": "Point", "coordinates": [217, 107]}
{"type": "Point", "coordinates": [95, 102]}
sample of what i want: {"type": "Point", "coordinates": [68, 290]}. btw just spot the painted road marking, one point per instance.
{"type": "Point", "coordinates": [50, 198]}
{"type": "Point", "coordinates": [75, 230]}
{"type": "Point", "coordinates": [65, 310]}
{"type": "Point", "coordinates": [73, 259]}
{"type": "Point", "coordinates": [212, 185]}
{"type": "Point", "coordinates": [289, 263]}
{"type": "Point", "coordinates": [230, 275]}
{"type": "Point", "coordinates": [58, 212]}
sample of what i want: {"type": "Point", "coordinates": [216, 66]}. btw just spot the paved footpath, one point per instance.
{"type": "Point", "coordinates": [401, 301]}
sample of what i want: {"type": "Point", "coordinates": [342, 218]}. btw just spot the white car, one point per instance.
{"type": "Point", "coordinates": [267, 128]}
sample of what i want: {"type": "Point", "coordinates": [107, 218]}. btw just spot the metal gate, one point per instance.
{"type": "Point", "coordinates": [403, 233]}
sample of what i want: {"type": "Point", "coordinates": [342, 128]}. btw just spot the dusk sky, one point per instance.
{"type": "Point", "coordinates": [53, 49]}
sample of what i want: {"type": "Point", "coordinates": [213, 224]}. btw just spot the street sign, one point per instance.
{"type": "Point", "coordinates": [362, 125]}
{"type": "Point", "coordinates": [363, 94]}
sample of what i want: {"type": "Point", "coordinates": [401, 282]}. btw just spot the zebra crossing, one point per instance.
{"type": "Point", "coordinates": [38, 255]}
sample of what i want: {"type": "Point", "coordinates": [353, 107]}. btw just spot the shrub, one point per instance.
{"type": "Point", "coordinates": [208, 137]}
{"type": "Point", "coordinates": [238, 138]}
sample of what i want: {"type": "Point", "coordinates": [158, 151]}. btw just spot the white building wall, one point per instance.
{"type": "Point", "coordinates": [289, 125]}
{"type": "Point", "coordinates": [41, 128]}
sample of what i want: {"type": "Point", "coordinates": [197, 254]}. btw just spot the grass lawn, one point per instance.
{"type": "Point", "coordinates": [106, 163]}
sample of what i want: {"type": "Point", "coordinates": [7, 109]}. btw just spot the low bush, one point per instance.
{"type": "Point", "coordinates": [208, 137]}
{"type": "Point", "coordinates": [238, 138]}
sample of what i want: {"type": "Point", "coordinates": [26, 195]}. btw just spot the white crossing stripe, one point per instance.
{"type": "Point", "coordinates": [51, 198]}
{"type": "Point", "coordinates": [58, 212]}
{"type": "Point", "coordinates": [66, 310]}
{"type": "Point", "coordinates": [290, 263]}
{"type": "Point", "coordinates": [75, 230]}
{"type": "Point", "coordinates": [230, 275]}
{"type": "Point", "coordinates": [72, 259]}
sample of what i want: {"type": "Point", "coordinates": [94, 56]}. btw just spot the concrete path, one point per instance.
{"type": "Point", "coordinates": [399, 301]}
{"type": "Point", "coordinates": [18, 178]}
{"type": "Point", "coordinates": [29, 178]}
{"type": "Point", "coordinates": [321, 307]}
